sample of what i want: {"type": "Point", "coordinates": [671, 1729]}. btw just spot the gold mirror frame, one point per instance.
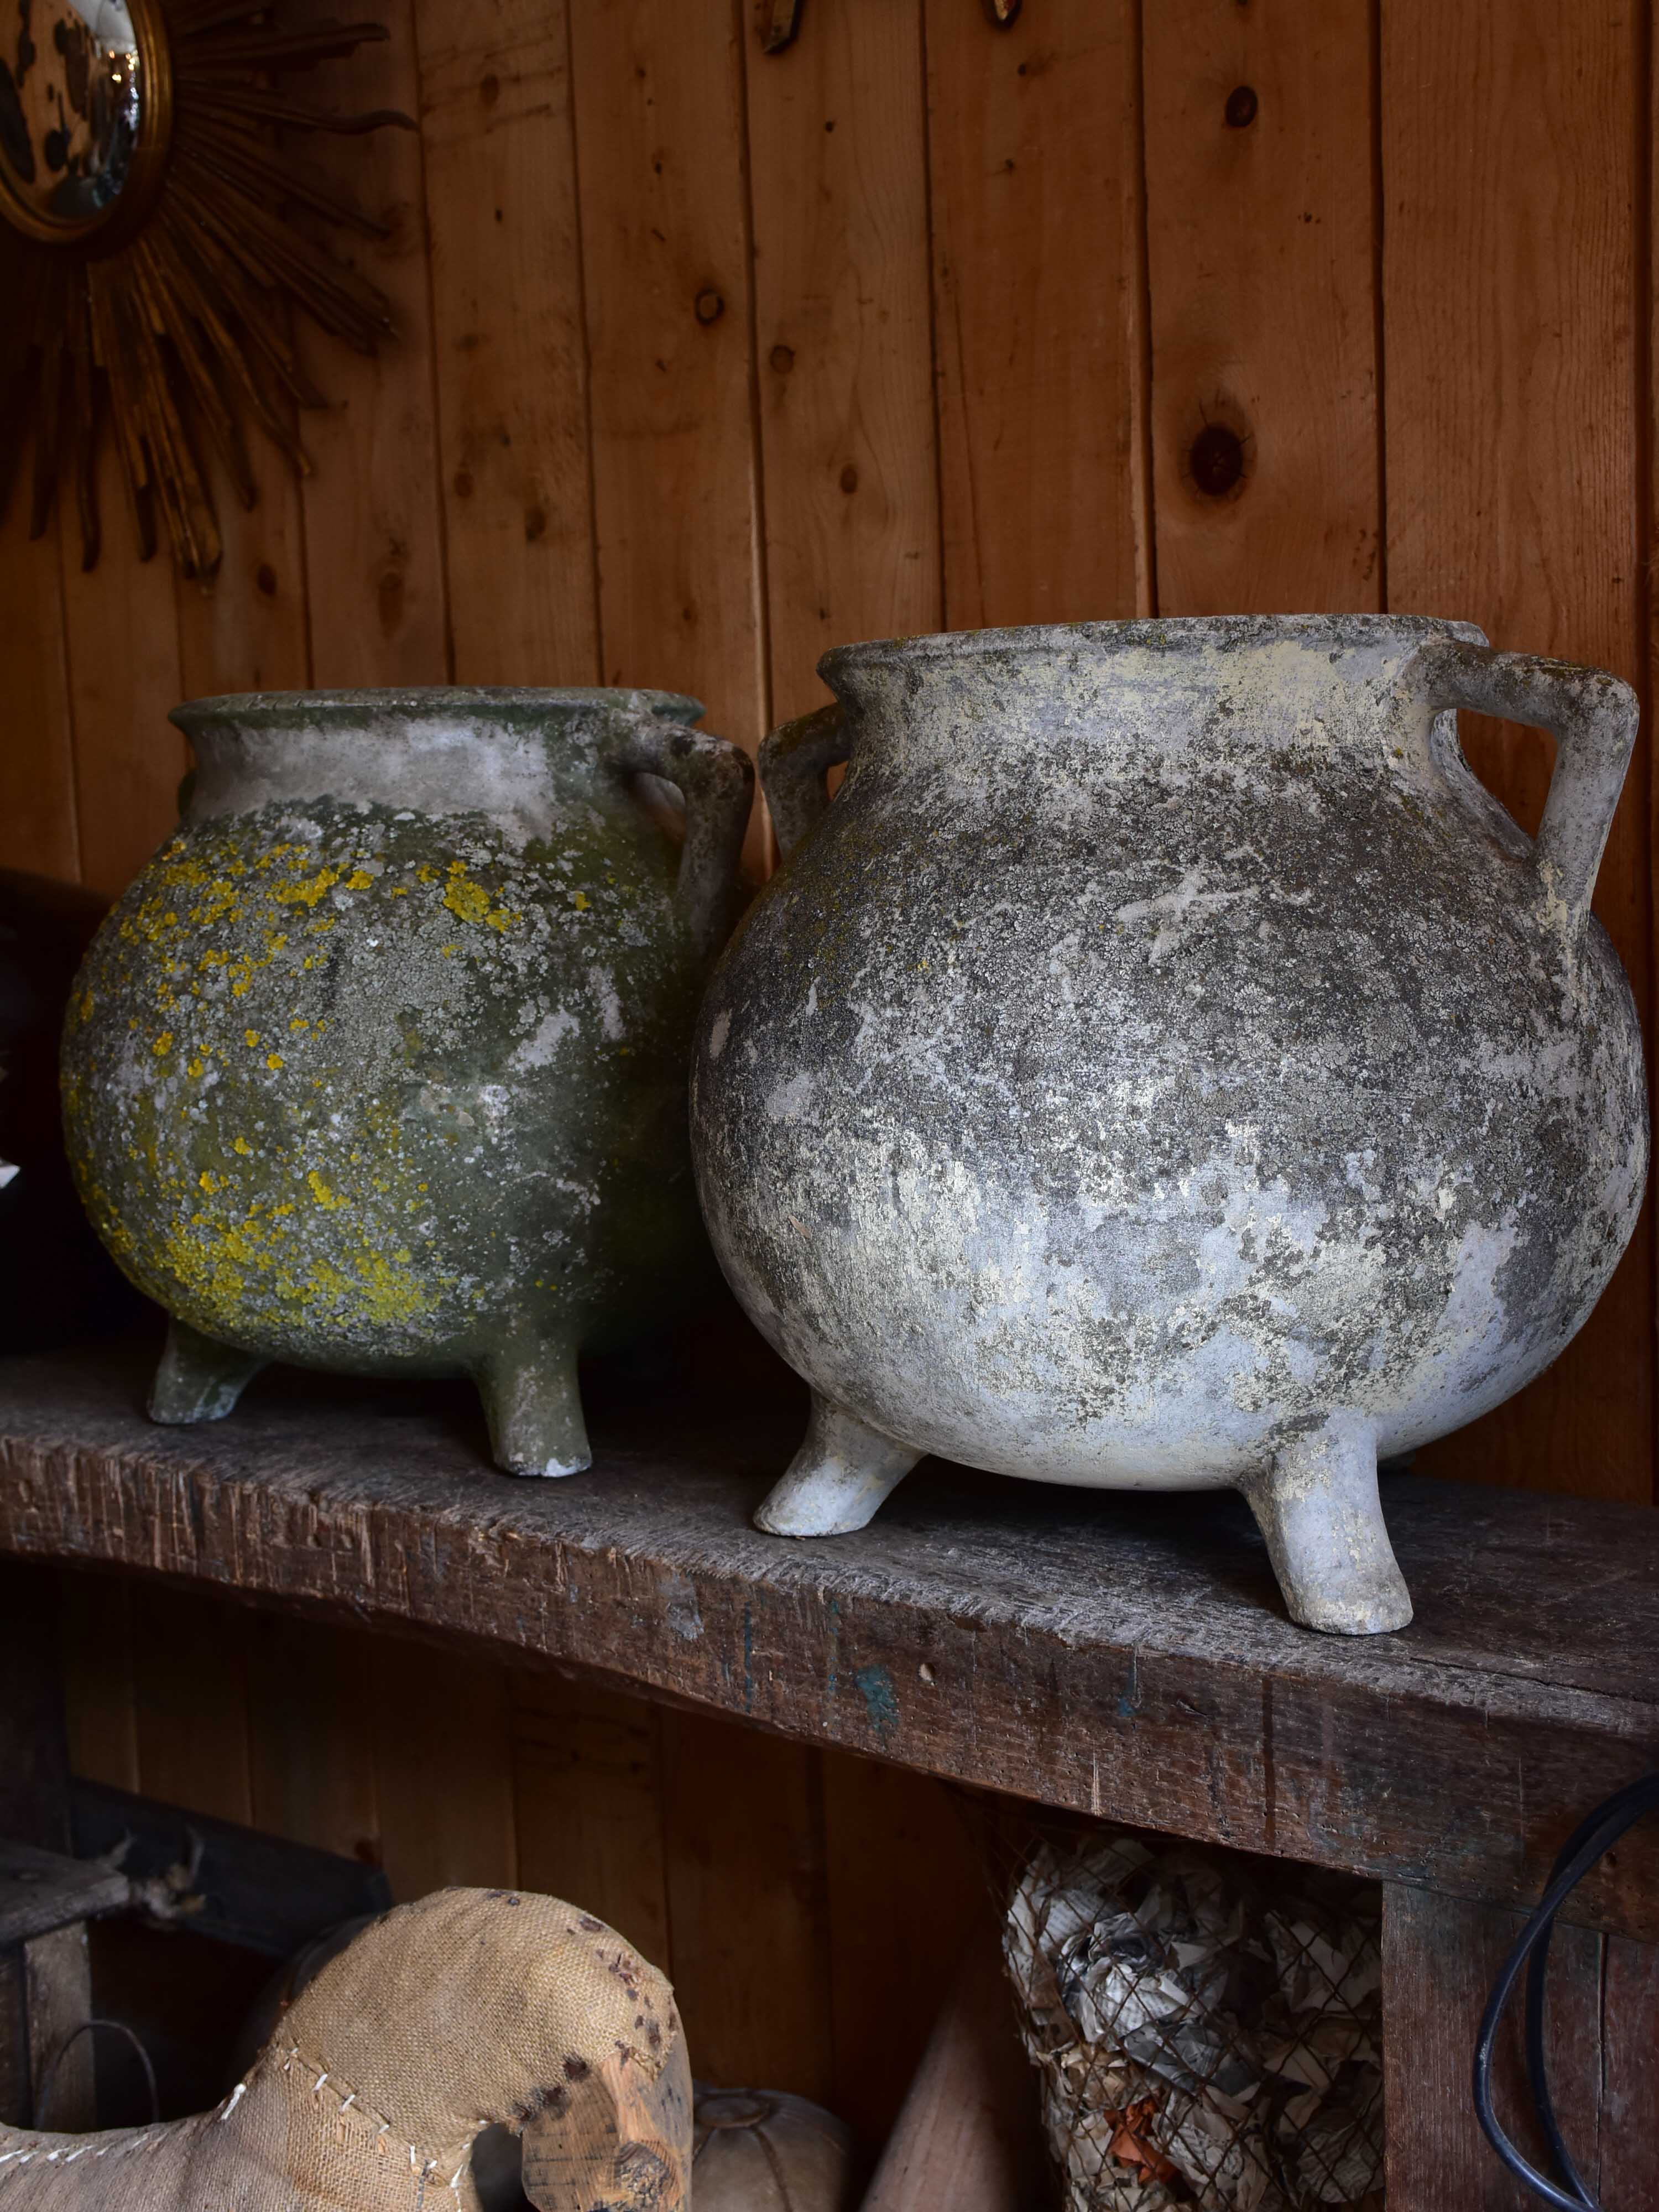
{"type": "Point", "coordinates": [162, 319]}
{"type": "Point", "coordinates": [137, 193]}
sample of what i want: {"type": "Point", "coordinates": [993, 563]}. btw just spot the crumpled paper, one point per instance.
{"type": "Point", "coordinates": [1200, 2043]}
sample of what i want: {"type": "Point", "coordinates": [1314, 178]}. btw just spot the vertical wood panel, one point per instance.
{"type": "Point", "coordinates": [311, 1734]}
{"type": "Point", "coordinates": [1513, 439]}
{"type": "Point", "coordinates": [443, 1769]}
{"type": "Point", "coordinates": [1439, 1958]}
{"type": "Point", "coordinates": [190, 1682]}
{"type": "Point", "coordinates": [246, 630]}
{"type": "Point", "coordinates": [121, 628]}
{"type": "Point", "coordinates": [844, 345]}
{"type": "Point", "coordinates": [33, 1746]}
{"type": "Point", "coordinates": [1035, 151]}
{"type": "Point", "coordinates": [100, 1713]}
{"type": "Point", "coordinates": [748, 1931]}
{"type": "Point", "coordinates": [907, 1890]}
{"type": "Point", "coordinates": [36, 759]}
{"type": "Point", "coordinates": [374, 539]}
{"type": "Point", "coordinates": [587, 1791]}
{"type": "Point", "coordinates": [508, 340]}
{"type": "Point", "coordinates": [1263, 291]}
{"type": "Point", "coordinates": [1630, 2038]}
{"type": "Point", "coordinates": [660, 132]}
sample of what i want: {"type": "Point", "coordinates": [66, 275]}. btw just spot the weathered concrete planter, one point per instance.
{"type": "Point", "coordinates": [1165, 1066]}
{"type": "Point", "coordinates": [379, 1065]}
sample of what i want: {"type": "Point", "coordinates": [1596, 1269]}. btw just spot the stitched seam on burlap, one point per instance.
{"type": "Point", "coordinates": [141, 2139]}
{"type": "Point", "coordinates": [350, 2110]}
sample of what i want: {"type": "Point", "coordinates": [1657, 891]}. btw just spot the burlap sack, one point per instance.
{"type": "Point", "coordinates": [469, 2008]}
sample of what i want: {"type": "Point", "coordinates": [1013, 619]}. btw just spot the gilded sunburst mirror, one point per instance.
{"type": "Point", "coordinates": [155, 230]}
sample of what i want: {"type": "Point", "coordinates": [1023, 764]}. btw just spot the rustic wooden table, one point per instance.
{"type": "Point", "coordinates": [1113, 1655]}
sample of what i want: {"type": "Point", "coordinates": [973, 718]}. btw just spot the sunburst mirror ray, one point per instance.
{"type": "Point", "coordinates": [155, 228]}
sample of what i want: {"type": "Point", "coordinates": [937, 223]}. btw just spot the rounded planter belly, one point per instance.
{"type": "Point", "coordinates": [1164, 1065]}
{"type": "Point", "coordinates": [379, 1065]}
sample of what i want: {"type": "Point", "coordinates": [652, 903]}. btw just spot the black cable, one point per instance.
{"type": "Point", "coordinates": [1594, 1835]}
{"type": "Point", "coordinates": [1537, 1978]}
{"type": "Point", "coordinates": [118, 2027]}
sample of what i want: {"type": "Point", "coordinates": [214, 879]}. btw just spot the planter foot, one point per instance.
{"type": "Point", "coordinates": [533, 1404]}
{"type": "Point", "coordinates": [199, 1379]}
{"type": "Point", "coordinates": [842, 1473]}
{"type": "Point", "coordinates": [1319, 1511]}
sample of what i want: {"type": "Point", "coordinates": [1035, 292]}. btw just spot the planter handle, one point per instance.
{"type": "Point", "coordinates": [794, 762]}
{"type": "Point", "coordinates": [1591, 715]}
{"type": "Point", "coordinates": [718, 780]}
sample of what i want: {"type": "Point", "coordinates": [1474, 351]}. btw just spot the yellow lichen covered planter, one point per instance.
{"type": "Point", "coordinates": [379, 1065]}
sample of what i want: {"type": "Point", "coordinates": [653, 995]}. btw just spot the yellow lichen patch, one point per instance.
{"type": "Point", "coordinates": [242, 1145]}
{"type": "Point", "coordinates": [472, 902]}
{"type": "Point", "coordinates": [323, 1195]}
{"type": "Point", "coordinates": [243, 969]}
{"type": "Point", "coordinates": [208, 1274]}
{"type": "Point", "coordinates": [220, 904]}
{"type": "Point", "coordinates": [163, 1043]}
{"type": "Point", "coordinates": [209, 1182]}
{"type": "Point", "coordinates": [299, 1022]}
{"type": "Point", "coordinates": [308, 893]}
{"type": "Point", "coordinates": [250, 1038]}
{"type": "Point", "coordinates": [580, 901]}
{"type": "Point", "coordinates": [243, 1243]}
{"type": "Point", "coordinates": [388, 1295]}
{"type": "Point", "coordinates": [198, 1065]}
{"type": "Point", "coordinates": [469, 900]}
{"type": "Point", "coordinates": [273, 1059]}
{"type": "Point", "coordinates": [359, 880]}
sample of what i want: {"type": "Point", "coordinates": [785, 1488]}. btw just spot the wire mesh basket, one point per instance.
{"type": "Point", "coordinates": [1206, 2027]}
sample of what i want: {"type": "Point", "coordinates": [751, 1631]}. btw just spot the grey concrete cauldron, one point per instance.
{"type": "Point", "coordinates": [1164, 1065]}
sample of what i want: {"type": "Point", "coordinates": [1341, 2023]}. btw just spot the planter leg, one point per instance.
{"type": "Point", "coordinates": [837, 1480]}
{"type": "Point", "coordinates": [1318, 1509]}
{"type": "Point", "coordinates": [199, 1379]}
{"type": "Point", "coordinates": [533, 1404]}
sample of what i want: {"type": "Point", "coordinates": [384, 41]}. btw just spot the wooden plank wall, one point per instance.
{"type": "Point", "coordinates": [809, 1906]}
{"type": "Point", "coordinates": [711, 358]}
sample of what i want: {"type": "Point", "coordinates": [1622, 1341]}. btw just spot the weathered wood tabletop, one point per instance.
{"type": "Point", "coordinates": [1110, 1653]}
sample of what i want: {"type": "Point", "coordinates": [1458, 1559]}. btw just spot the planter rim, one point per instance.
{"type": "Point", "coordinates": [340, 709]}
{"type": "Point", "coordinates": [1171, 631]}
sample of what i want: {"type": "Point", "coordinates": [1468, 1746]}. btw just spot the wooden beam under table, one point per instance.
{"type": "Point", "coordinates": [1119, 1654]}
